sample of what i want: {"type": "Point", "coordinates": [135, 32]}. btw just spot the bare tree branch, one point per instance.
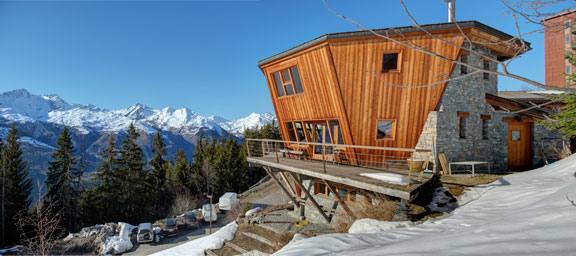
{"type": "Point", "coordinates": [505, 72]}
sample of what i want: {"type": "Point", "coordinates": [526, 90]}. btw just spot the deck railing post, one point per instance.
{"type": "Point", "coordinates": [276, 148]}
{"type": "Point", "coordinates": [263, 150]}
{"type": "Point", "coordinates": [324, 157]}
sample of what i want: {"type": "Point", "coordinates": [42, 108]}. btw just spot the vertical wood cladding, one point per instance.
{"type": "Point", "coordinates": [370, 95]}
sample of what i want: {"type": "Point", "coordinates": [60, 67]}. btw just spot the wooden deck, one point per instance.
{"type": "Point", "coordinates": [344, 174]}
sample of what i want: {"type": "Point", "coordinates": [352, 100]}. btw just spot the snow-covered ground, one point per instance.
{"type": "Point", "coordinates": [200, 245]}
{"type": "Point", "coordinates": [521, 214]}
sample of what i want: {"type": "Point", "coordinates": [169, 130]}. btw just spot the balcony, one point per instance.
{"type": "Point", "coordinates": [573, 44]}
{"type": "Point", "coordinates": [395, 172]}
{"type": "Point", "coordinates": [573, 28]}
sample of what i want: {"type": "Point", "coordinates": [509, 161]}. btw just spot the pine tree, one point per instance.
{"type": "Point", "coordinates": [157, 162]}
{"type": "Point", "coordinates": [158, 176]}
{"type": "Point", "coordinates": [132, 189]}
{"type": "Point", "coordinates": [17, 184]}
{"type": "Point", "coordinates": [61, 181]}
{"type": "Point", "coordinates": [99, 203]}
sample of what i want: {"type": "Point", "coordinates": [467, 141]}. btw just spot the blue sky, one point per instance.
{"type": "Point", "coordinates": [197, 54]}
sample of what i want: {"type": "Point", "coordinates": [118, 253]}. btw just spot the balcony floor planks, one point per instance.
{"type": "Point", "coordinates": [343, 174]}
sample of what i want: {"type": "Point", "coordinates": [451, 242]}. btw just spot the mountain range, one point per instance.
{"type": "Point", "coordinates": [41, 118]}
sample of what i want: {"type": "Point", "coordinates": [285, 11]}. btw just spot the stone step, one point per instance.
{"type": "Point", "coordinates": [259, 238]}
{"type": "Point", "coordinates": [236, 247]}
{"type": "Point", "coordinates": [211, 253]}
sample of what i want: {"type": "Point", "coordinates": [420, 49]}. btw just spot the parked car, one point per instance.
{"type": "Point", "coordinates": [228, 201]}
{"type": "Point", "coordinates": [206, 213]}
{"type": "Point", "coordinates": [190, 220]}
{"type": "Point", "coordinates": [170, 227]}
{"type": "Point", "coordinates": [145, 233]}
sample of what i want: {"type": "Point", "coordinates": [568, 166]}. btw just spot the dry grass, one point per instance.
{"type": "Point", "coordinates": [249, 243]}
{"type": "Point", "coordinates": [458, 184]}
{"type": "Point", "coordinates": [376, 206]}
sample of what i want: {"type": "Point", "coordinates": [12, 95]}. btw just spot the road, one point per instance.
{"type": "Point", "coordinates": [183, 237]}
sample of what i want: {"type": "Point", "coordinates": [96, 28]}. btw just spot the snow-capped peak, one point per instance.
{"type": "Point", "coordinates": [22, 106]}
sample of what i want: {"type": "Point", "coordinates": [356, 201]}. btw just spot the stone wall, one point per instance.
{"type": "Point", "coordinates": [467, 94]}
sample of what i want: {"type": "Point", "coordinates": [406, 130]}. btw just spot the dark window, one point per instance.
{"type": "Point", "coordinates": [288, 81]}
{"type": "Point", "coordinates": [485, 123]}
{"type": "Point", "coordinates": [462, 126]}
{"type": "Point", "coordinates": [486, 67]}
{"type": "Point", "coordinates": [390, 62]}
{"type": "Point", "coordinates": [464, 68]}
{"type": "Point", "coordinates": [300, 131]}
{"type": "Point", "coordinates": [297, 82]}
{"type": "Point", "coordinates": [291, 134]}
{"type": "Point", "coordinates": [278, 82]}
{"type": "Point", "coordinates": [321, 189]}
{"type": "Point", "coordinates": [385, 130]}
{"type": "Point", "coordinates": [336, 132]}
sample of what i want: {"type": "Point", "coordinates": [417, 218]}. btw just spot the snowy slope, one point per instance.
{"type": "Point", "coordinates": [521, 214]}
{"type": "Point", "coordinates": [22, 106]}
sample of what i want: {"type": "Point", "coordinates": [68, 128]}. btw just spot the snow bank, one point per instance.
{"type": "Point", "coordinates": [253, 211]}
{"type": "Point", "coordinates": [391, 178]}
{"type": "Point", "coordinates": [120, 243]}
{"type": "Point", "coordinates": [373, 226]}
{"type": "Point", "coordinates": [521, 214]}
{"type": "Point", "coordinates": [200, 245]}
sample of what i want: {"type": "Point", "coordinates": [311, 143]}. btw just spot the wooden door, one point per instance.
{"type": "Point", "coordinates": [519, 145]}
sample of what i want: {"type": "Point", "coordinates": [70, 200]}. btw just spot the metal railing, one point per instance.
{"type": "Point", "coordinates": [386, 158]}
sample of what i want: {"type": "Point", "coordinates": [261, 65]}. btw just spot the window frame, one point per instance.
{"type": "Point", "coordinates": [393, 136]}
{"type": "Point", "coordinates": [280, 69]}
{"type": "Point", "coordinates": [398, 62]}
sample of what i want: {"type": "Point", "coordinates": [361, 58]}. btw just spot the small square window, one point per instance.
{"type": "Point", "coordinates": [390, 62]}
{"type": "Point", "coordinates": [385, 130]}
{"type": "Point", "coordinates": [515, 135]}
{"type": "Point", "coordinates": [567, 23]}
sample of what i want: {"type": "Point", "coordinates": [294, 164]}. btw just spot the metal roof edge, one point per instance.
{"type": "Point", "coordinates": [395, 30]}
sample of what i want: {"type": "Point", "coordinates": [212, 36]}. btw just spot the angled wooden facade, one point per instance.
{"type": "Point", "coordinates": [343, 81]}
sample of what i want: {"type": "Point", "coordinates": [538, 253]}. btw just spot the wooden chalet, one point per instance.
{"type": "Point", "coordinates": [354, 103]}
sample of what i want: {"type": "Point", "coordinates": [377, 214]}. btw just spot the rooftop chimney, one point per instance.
{"type": "Point", "coordinates": [451, 10]}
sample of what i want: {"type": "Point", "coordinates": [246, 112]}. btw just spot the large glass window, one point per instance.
{"type": "Point", "coordinates": [385, 129]}
{"type": "Point", "coordinates": [300, 131]}
{"type": "Point", "coordinates": [291, 133]}
{"type": "Point", "coordinates": [288, 81]}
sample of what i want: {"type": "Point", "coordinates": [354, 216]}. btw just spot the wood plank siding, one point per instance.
{"type": "Point", "coordinates": [343, 79]}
